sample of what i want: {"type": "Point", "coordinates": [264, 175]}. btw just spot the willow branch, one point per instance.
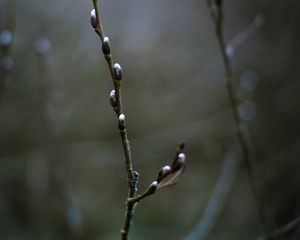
{"type": "Point", "coordinates": [116, 102]}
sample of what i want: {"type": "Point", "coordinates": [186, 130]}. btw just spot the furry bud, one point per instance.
{"type": "Point", "coordinates": [93, 18]}
{"type": "Point", "coordinates": [105, 46]}
{"type": "Point", "coordinates": [181, 158]}
{"type": "Point", "coordinates": [164, 171]}
{"type": "Point", "coordinates": [112, 98]}
{"type": "Point", "coordinates": [153, 187]}
{"type": "Point", "coordinates": [118, 71]}
{"type": "Point", "coordinates": [179, 162]}
{"type": "Point", "coordinates": [121, 121]}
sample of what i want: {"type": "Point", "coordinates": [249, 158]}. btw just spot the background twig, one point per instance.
{"type": "Point", "coordinates": [283, 231]}
{"type": "Point", "coordinates": [216, 10]}
{"type": "Point", "coordinates": [218, 198]}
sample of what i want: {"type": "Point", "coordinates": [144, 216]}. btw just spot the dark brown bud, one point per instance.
{"type": "Point", "coordinates": [105, 46]}
{"type": "Point", "coordinates": [93, 18]}
{"type": "Point", "coordinates": [118, 71]}
{"type": "Point", "coordinates": [121, 121]}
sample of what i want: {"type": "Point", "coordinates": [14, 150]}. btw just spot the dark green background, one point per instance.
{"type": "Point", "coordinates": [61, 164]}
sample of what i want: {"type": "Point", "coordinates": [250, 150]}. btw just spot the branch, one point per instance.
{"type": "Point", "coordinates": [176, 169]}
{"type": "Point", "coordinates": [216, 10]}
{"type": "Point", "coordinates": [116, 102]}
{"type": "Point", "coordinates": [283, 231]}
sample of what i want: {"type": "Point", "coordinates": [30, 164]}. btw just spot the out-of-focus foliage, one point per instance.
{"type": "Point", "coordinates": [61, 164]}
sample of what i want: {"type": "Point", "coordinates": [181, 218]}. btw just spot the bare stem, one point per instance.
{"type": "Point", "coordinates": [216, 10]}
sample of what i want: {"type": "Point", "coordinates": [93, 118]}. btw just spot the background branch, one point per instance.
{"type": "Point", "coordinates": [216, 10]}
{"type": "Point", "coordinates": [283, 231]}
{"type": "Point", "coordinates": [218, 198]}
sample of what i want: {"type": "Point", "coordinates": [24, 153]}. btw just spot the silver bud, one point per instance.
{"type": "Point", "coordinates": [179, 162]}
{"type": "Point", "coordinates": [112, 98]}
{"type": "Point", "coordinates": [164, 171]}
{"type": "Point", "coordinates": [153, 187]}
{"type": "Point", "coordinates": [181, 158]}
{"type": "Point", "coordinates": [121, 121]}
{"type": "Point", "coordinates": [93, 18]}
{"type": "Point", "coordinates": [106, 46]}
{"type": "Point", "coordinates": [118, 71]}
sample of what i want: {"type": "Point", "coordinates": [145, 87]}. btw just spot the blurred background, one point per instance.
{"type": "Point", "coordinates": [61, 163]}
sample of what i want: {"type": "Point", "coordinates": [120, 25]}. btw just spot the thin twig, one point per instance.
{"type": "Point", "coordinates": [216, 10]}
{"type": "Point", "coordinates": [244, 34]}
{"type": "Point", "coordinates": [283, 231]}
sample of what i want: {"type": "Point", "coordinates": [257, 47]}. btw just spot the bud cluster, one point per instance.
{"type": "Point", "coordinates": [177, 164]}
